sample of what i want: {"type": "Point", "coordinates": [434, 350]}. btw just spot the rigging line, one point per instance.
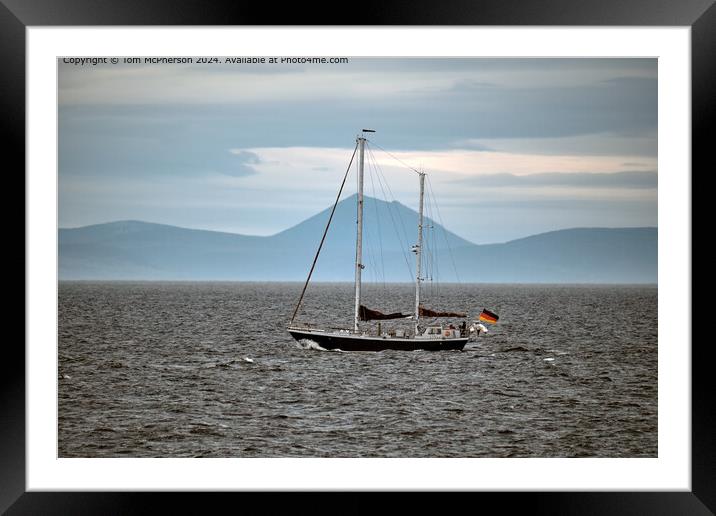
{"type": "Point", "coordinates": [427, 259]}
{"type": "Point", "coordinates": [377, 220]}
{"type": "Point", "coordinates": [402, 223]}
{"type": "Point", "coordinates": [396, 158]}
{"type": "Point", "coordinates": [437, 263]}
{"type": "Point", "coordinates": [372, 268]}
{"type": "Point", "coordinates": [369, 248]}
{"type": "Point", "coordinates": [433, 203]}
{"type": "Point", "coordinates": [429, 245]}
{"type": "Point", "coordinates": [452, 258]}
{"type": "Point", "coordinates": [435, 248]}
{"type": "Point", "coordinates": [388, 186]}
{"type": "Point", "coordinates": [368, 275]}
{"type": "Point", "coordinates": [323, 238]}
{"type": "Point", "coordinates": [388, 205]}
{"type": "Point", "coordinates": [368, 226]}
{"type": "Point", "coordinates": [403, 245]}
{"type": "Point", "coordinates": [437, 255]}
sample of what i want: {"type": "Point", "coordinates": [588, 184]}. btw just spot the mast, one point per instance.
{"type": "Point", "coordinates": [359, 232]}
{"type": "Point", "coordinates": [418, 248]}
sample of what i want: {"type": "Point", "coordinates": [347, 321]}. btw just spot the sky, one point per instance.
{"type": "Point", "coordinates": [512, 147]}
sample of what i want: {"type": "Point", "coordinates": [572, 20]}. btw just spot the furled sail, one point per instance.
{"type": "Point", "coordinates": [426, 312]}
{"type": "Point", "coordinates": [366, 314]}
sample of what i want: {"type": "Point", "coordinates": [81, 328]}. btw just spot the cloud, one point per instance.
{"type": "Point", "coordinates": [642, 144]}
{"type": "Point", "coordinates": [245, 164]}
{"type": "Point", "coordinates": [472, 144]}
{"type": "Point", "coordinates": [605, 118]}
{"type": "Point", "coordinates": [291, 184]}
{"type": "Point", "coordinates": [412, 102]}
{"type": "Point", "coordinates": [255, 148]}
{"type": "Point", "coordinates": [310, 176]}
{"type": "Point", "coordinates": [628, 179]}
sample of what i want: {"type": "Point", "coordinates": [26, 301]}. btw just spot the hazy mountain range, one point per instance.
{"type": "Point", "coordinates": [133, 250]}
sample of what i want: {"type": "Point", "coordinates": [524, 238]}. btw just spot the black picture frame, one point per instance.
{"type": "Point", "coordinates": [17, 15]}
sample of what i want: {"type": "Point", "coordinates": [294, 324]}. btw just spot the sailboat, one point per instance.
{"type": "Point", "coordinates": [431, 337]}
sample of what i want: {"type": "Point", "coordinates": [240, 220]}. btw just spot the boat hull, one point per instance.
{"type": "Point", "coordinates": [351, 342]}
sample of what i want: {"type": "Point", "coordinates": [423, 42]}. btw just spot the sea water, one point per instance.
{"type": "Point", "coordinates": [208, 370]}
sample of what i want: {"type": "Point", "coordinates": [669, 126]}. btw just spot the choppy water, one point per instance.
{"type": "Point", "coordinates": [159, 370]}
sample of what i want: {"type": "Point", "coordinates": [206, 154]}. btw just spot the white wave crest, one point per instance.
{"type": "Point", "coordinates": [309, 344]}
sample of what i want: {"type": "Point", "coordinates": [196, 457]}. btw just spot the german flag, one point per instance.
{"type": "Point", "coordinates": [488, 316]}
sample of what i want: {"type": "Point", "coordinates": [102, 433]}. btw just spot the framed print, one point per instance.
{"type": "Point", "coordinates": [161, 159]}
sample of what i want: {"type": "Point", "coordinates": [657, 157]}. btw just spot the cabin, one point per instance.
{"type": "Point", "coordinates": [432, 332]}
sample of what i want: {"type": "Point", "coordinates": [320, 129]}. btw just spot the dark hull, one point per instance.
{"type": "Point", "coordinates": [359, 343]}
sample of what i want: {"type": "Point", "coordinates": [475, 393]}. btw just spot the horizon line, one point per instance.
{"type": "Point", "coordinates": [349, 282]}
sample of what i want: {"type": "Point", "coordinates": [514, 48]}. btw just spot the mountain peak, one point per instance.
{"type": "Point", "coordinates": [387, 224]}
{"type": "Point", "coordinates": [366, 197]}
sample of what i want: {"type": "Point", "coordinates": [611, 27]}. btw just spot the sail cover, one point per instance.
{"type": "Point", "coordinates": [426, 312]}
{"type": "Point", "coordinates": [366, 314]}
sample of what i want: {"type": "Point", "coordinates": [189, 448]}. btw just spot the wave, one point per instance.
{"type": "Point", "coordinates": [309, 344]}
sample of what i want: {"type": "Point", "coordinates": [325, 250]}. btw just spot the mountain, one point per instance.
{"type": "Point", "coordinates": [580, 255]}
{"type": "Point", "coordinates": [145, 251]}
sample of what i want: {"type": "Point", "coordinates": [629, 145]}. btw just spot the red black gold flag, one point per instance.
{"type": "Point", "coordinates": [488, 316]}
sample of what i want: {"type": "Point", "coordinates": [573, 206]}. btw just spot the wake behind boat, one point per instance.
{"type": "Point", "coordinates": [432, 337]}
